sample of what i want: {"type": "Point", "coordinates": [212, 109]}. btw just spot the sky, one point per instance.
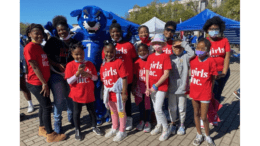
{"type": "Point", "coordinates": [42, 11]}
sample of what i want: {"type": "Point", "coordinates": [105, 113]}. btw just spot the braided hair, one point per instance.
{"type": "Point", "coordinates": [30, 28]}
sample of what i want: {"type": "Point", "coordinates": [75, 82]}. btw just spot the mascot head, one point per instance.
{"type": "Point", "coordinates": [92, 19]}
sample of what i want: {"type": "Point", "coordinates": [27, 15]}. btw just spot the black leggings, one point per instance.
{"type": "Point", "coordinates": [77, 111]}
{"type": "Point", "coordinates": [45, 107]}
{"type": "Point", "coordinates": [128, 105]}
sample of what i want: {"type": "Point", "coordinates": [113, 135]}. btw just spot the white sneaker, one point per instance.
{"type": "Point", "coordinates": [111, 133]}
{"type": "Point", "coordinates": [30, 109]}
{"type": "Point", "coordinates": [157, 130]}
{"type": "Point", "coordinates": [129, 123]}
{"type": "Point", "coordinates": [147, 127]}
{"type": "Point", "coordinates": [140, 126]}
{"type": "Point", "coordinates": [120, 136]}
{"type": "Point", "coordinates": [166, 133]}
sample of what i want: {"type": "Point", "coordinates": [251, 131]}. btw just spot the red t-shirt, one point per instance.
{"type": "Point", "coordinates": [81, 91]}
{"type": "Point", "coordinates": [218, 51]}
{"type": "Point", "coordinates": [139, 69]}
{"type": "Point", "coordinates": [110, 72]}
{"type": "Point", "coordinates": [201, 78]}
{"type": "Point", "coordinates": [126, 52]}
{"type": "Point", "coordinates": [35, 52]}
{"type": "Point", "coordinates": [156, 64]}
{"type": "Point", "coordinates": [168, 48]}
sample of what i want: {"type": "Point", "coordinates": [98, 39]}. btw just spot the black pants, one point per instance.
{"type": "Point", "coordinates": [45, 107]}
{"type": "Point", "coordinates": [219, 86]}
{"type": "Point", "coordinates": [77, 111]}
{"type": "Point", "coordinates": [128, 104]}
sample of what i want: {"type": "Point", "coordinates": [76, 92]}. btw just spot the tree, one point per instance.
{"type": "Point", "coordinates": [23, 27]}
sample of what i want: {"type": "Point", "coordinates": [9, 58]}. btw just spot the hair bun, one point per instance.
{"type": "Point", "coordinates": [114, 21]}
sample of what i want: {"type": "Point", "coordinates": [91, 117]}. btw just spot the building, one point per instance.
{"type": "Point", "coordinates": [202, 4]}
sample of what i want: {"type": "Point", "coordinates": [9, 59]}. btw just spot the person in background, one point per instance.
{"type": "Point", "coordinates": [179, 84]}
{"type": "Point", "coordinates": [220, 51]}
{"type": "Point", "coordinates": [57, 49]}
{"type": "Point", "coordinates": [37, 80]}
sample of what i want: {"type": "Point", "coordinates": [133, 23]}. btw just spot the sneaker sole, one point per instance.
{"type": "Point", "coordinates": [120, 139]}
{"type": "Point", "coordinates": [236, 96]}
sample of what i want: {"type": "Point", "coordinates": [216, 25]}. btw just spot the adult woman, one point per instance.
{"type": "Point", "coordinates": [220, 51]}
{"type": "Point", "coordinates": [37, 80]}
{"type": "Point", "coordinates": [57, 50]}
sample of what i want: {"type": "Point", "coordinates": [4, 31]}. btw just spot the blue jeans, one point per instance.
{"type": "Point", "coordinates": [219, 86]}
{"type": "Point", "coordinates": [60, 90]}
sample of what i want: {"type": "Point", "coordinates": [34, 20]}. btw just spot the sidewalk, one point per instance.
{"type": "Point", "coordinates": [226, 134]}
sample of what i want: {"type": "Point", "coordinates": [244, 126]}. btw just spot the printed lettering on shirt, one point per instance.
{"type": "Point", "coordinates": [142, 74]}
{"type": "Point", "coordinates": [44, 61]}
{"type": "Point", "coordinates": [82, 80]}
{"type": "Point", "coordinates": [156, 65]}
{"type": "Point", "coordinates": [167, 51]}
{"type": "Point", "coordinates": [218, 51]}
{"type": "Point", "coordinates": [108, 73]}
{"type": "Point", "coordinates": [198, 73]}
{"type": "Point", "coordinates": [121, 51]}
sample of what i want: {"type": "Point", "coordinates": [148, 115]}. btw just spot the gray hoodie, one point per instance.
{"type": "Point", "coordinates": [179, 74]}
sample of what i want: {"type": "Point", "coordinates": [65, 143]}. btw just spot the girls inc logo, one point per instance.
{"type": "Point", "coordinates": [154, 65]}
{"type": "Point", "coordinates": [84, 79]}
{"type": "Point", "coordinates": [218, 51]}
{"type": "Point", "coordinates": [197, 73]}
{"type": "Point", "coordinates": [167, 51]}
{"type": "Point", "coordinates": [44, 61]}
{"type": "Point", "coordinates": [142, 74]}
{"type": "Point", "coordinates": [121, 51]}
{"type": "Point", "coordinates": [108, 73]}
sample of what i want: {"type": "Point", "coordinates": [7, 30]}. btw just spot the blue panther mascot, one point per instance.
{"type": "Point", "coordinates": [93, 21]}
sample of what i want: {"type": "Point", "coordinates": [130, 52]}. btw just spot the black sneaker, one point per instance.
{"type": "Point", "coordinates": [98, 131]}
{"type": "Point", "coordinates": [78, 135]}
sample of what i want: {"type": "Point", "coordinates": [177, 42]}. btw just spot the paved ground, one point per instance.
{"type": "Point", "coordinates": [226, 134]}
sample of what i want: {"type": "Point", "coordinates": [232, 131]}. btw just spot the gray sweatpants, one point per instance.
{"type": "Point", "coordinates": [179, 100]}
{"type": "Point", "coordinates": [158, 99]}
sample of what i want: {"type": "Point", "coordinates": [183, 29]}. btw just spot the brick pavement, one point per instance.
{"type": "Point", "coordinates": [226, 134]}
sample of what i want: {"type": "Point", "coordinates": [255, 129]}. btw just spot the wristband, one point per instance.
{"type": "Point", "coordinates": [154, 87]}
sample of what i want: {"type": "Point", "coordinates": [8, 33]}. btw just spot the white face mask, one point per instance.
{"type": "Point", "coordinates": [143, 57]}
{"type": "Point", "coordinates": [66, 37]}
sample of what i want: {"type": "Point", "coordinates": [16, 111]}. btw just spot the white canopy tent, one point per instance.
{"type": "Point", "coordinates": [155, 25]}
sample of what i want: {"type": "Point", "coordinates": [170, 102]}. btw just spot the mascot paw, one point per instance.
{"type": "Point", "coordinates": [99, 122]}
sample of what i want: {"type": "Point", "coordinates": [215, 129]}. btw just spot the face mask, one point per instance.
{"type": "Point", "coordinates": [157, 47]}
{"type": "Point", "coordinates": [200, 53]}
{"type": "Point", "coordinates": [80, 61]}
{"type": "Point", "coordinates": [118, 40]}
{"type": "Point", "coordinates": [145, 39]}
{"type": "Point", "coordinates": [143, 57]}
{"type": "Point", "coordinates": [214, 33]}
{"type": "Point", "coordinates": [66, 37]}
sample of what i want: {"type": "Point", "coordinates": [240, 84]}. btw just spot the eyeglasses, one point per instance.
{"type": "Point", "coordinates": [168, 29]}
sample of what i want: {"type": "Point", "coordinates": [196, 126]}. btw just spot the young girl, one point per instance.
{"type": "Point", "coordinates": [114, 76]}
{"type": "Point", "coordinates": [157, 68]}
{"type": "Point", "coordinates": [37, 80]}
{"type": "Point", "coordinates": [80, 75]}
{"type": "Point", "coordinates": [143, 33]}
{"type": "Point", "coordinates": [126, 52]}
{"type": "Point", "coordinates": [138, 89]}
{"type": "Point", "coordinates": [179, 83]}
{"type": "Point", "coordinates": [203, 73]}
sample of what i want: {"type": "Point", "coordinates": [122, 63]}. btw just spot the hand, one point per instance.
{"type": "Point", "coordinates": [85, 74]}
{"type": "Point", "coordinates": [133, 90]}
{"type": "Point", "coordinates": [221, 75]}
{"type": "Point", "coordinates": [124, 97]}
{"type": "Point", "coordinates": [45, 90]}
{"type": "Point", "coordinates": [177, 44]}
{"type": "Point", "coordinates": [147, 92]}
{"type": "Point", "coordinates": [61, 67]}
{"type": "Point", "coordinates": [152, 89]}
{"type": "Point", "coordinates": [81, 68]}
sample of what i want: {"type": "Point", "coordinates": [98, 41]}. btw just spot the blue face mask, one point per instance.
{"type": "Point", "coordinates": [143, 57]}
{"type": "Point", "coordinates": [213, 33]}
{"type": "Point", "coordinates": [80, 61]}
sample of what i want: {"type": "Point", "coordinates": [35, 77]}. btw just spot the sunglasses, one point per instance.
{"type": "Point", "coordinates": [171, 30]}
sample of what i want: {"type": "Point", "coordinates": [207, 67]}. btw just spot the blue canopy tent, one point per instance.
{"type": "Point", "coordinates": [197, 22]}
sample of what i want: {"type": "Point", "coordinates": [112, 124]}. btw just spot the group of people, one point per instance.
{"type": "Point", "coordinates": [150, 69]}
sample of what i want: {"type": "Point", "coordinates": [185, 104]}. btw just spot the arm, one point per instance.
{"type": "Point", "coordinates": [37, 71]}
{"type": "Point", "coordinates": [134, 84]}
{"type": "Point", "coordinates": [163, 78]}
{"type": "Point", "coordinates": [124, 91]}
{"type": "Point", "coordinates": [226, 63]}
{"type": "Point", "coordinates": [187, 48]}
{"type": "Point", "coordinates": [72, 79]}
{"type": "Point", "coordinates": [147, 92]}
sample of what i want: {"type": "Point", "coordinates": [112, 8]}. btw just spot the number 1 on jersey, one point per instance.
{"type": "Point", "coordinates": [89, 48]}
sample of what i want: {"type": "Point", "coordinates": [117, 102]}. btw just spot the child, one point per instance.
{"type": "Point", "coordinates": [80, 75]}
{"type": "Point", "coordinates": [169, 30]}
{"type": "Point", "coordinates": [179, 83]}
{"type": "Point", "coordinates": [114, 77]}
{"type": "Point", "coordinates": [157, 68]}
{"type": "Point", "coordinates": [138, 89]}
{"type": "Point", "coordinates": [203, 73]}
{"type": "Point", "coordinates": [143, 33]}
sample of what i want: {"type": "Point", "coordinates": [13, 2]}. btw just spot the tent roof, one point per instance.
{"type": "Point", "coordinates": [155, 25]}
{"type": "Point", "coordinates": [197, 22]}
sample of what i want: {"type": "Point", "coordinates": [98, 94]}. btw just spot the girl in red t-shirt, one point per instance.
{"type": "Point", "coordinates": [220, 51]}
{"type": "Point", "coordinates": [157, 68]}
{"type": "Point", "coordinates": [80, 75]}
{"type": "Point", "coordinates": [143, 33]}
{"type": "Point", "coordinates": [113, 74]}
{"type": "Point", "coordinates": [37, 80]}
{"type": "Point", "coordinates": [139, 88]}
{"type": "Point", "coordinates": [203, 73]}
